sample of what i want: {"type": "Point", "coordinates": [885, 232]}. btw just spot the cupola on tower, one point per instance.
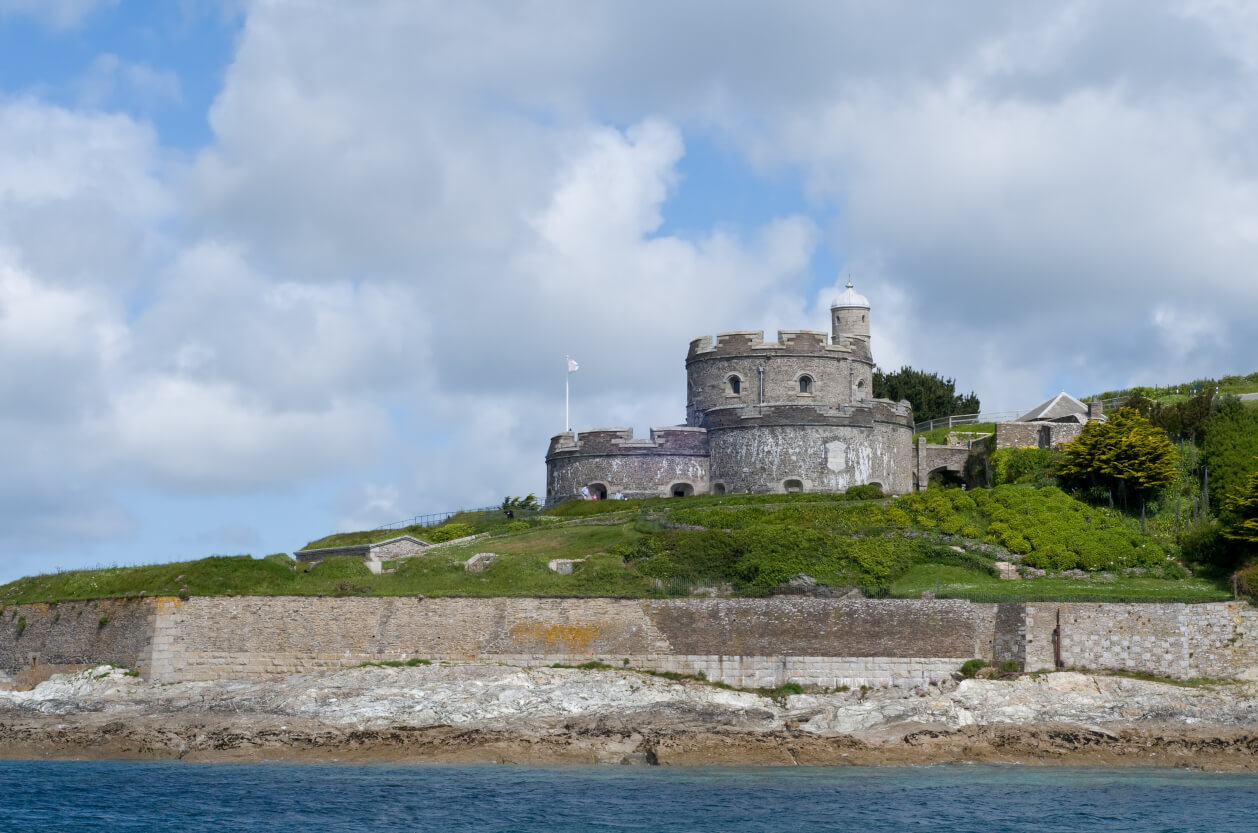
{"type": "Point", "coordinates": [849, 315]}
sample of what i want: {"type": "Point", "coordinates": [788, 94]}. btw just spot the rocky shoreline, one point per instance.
{"type": "Point", "coordinates": [506, 714]}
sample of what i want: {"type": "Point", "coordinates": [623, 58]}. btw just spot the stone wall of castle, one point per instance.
{"type": "Point", "coordinates": [749, 455]}
{"type": "Point", "coordinates": [614, 461]}
{"type": "Point", "coordinates": [744, 642]}
{"type": "Point", "coordinates": [840, 373]}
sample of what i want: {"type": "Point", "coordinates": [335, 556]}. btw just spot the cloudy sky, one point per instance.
{"type": "Point", "coordinates": [274, 269]}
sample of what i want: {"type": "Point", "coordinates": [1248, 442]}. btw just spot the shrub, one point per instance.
{"type": "Point", "coordinates": [517, 526]}
{"type": "Point", "coordinates": [449, 532]}
{"type": "Point", "coordinates": [1022, 465]}
{"type": "Point", "coordinates": [869, 491]}
{"type": "Point", "coordinates": [971, 667]}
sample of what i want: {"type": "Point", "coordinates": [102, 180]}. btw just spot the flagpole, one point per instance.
{"type": "Point", "coordinates": [567, 374]}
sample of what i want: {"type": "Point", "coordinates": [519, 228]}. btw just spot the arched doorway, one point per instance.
{"type": "Point", "coordinates": [793, 486]}
{"type": "Point", "coordinates": [598, 491]}
{"type": "Point", "coordinates": [681, 490]}
{"type": "Point", "coordinates": [718, 488]}
{"type": "Point", "coordinates": [945, 477]}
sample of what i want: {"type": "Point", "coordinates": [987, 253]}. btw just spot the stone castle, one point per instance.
{"type": "Point", "coordinates": [795, 415]}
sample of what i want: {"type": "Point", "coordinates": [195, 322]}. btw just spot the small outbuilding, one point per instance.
{"type": "Point", "coordinates": [1049, 424]}
{"type": "Point", "coordinates": [374, 554]}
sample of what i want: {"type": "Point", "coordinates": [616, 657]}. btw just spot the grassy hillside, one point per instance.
{"type": "Point", "coordinates": [1178, 392]}
{"type": "Point", "coordinates": [942, 541]}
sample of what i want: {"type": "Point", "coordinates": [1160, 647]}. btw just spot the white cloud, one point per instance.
{"type": "Point", "coordinates": [408, 215]}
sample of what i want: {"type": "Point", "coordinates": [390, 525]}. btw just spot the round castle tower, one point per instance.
{"type": "Point", "coordinates": [793, 415]}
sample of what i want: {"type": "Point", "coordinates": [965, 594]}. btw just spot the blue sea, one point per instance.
{"type": "Point", "coordinates": [104, 797]}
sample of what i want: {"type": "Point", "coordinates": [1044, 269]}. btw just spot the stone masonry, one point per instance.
{"type": "Point", "coordinates": [743, 642]}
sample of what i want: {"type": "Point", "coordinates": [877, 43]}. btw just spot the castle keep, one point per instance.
{"type": "Point", "coordinates": [794, 415]}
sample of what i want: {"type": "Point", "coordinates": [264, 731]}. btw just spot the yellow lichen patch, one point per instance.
{"type": "Point", "coordinates": [575, 638]}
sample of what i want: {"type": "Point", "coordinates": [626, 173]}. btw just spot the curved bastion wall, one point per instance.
{"type": "Point", "coordinates": [808, 449]}
{"type": "Point", "coordinates": [611, 460]}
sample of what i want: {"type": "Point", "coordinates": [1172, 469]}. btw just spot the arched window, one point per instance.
{"type": "Point", "coordinates": [735, 385]}
{"type": "Point", "coordinates": [805, 384]}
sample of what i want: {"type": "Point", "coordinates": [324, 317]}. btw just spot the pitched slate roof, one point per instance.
{"type": "Point", "coordinates": [1061, 407]}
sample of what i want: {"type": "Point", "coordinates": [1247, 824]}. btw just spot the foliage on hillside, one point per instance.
{"type": "Point", "coordinates": [930, 394]}
{"type": "Point", "coordinates": [747, 544]}
{"type": "Point", "coordinates": [1124, 454]}
{"type": "Point", "coordinates": [1242, 514]}
{"type": "Point", "coordinates": [1230, 450]}
{"type": "Point", "coordinates": [1225, 385]}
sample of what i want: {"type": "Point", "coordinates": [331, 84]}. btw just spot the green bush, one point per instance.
{"type": "Point", "coordinates": [449, 532]}
{"type": "Point", "coordinates": [971, 667]}
{"type": "Point", "coordinates": [518, 526]}
{"type": "Point", "coordinates": [1022, 465]}
{"type": "Point", "coordinates": [869, 491]}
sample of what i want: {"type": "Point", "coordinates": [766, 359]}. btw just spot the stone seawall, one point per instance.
{"type": "Point", "coordinates": [743, 642]}
{"type": "Point", "coordinates": [39, 640]}
{"type": "Point", "coordinates": [1175, 640]}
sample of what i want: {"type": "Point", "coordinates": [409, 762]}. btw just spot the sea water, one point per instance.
{"type": "Point", "coordinates": [112, 796]}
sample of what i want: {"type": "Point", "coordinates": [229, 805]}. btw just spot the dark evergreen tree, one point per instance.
{"type": "Point", "coordinates": [931, 395]}
{"type": "Point", "coordinates": [1229, 448]}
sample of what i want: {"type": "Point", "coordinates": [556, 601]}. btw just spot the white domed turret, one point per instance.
{"type": "Point", "coordinates": [850, 298]}
{"type": "Point", "coordinates": [849, 315]}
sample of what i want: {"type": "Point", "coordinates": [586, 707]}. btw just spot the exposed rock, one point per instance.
{"type": "Point", "coordinates": [479, 562]}
{"type": "Point", "coordinates": [553, 715]}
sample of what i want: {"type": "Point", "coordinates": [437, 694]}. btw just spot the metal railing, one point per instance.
{"type": "Point", "coordinates": [994, 416]}
{"type": "Point", "coordinates": [433, 518]}
{"type": "Point", "coordinates": [965, 419]}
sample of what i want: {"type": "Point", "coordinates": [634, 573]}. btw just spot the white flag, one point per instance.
{"type": "Point", "coordinates": [573, 367]}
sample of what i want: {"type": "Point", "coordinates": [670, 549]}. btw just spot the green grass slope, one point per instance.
{"type": "Point", "coordinates": [941, 541]}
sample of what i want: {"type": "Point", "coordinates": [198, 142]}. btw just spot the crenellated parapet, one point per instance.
{"type": "Point", "coordinates": [682, 440]}
{"type": "Point", "coordinates": [738, 343]}
{"type": "Point", "coordinates": [608, 461]}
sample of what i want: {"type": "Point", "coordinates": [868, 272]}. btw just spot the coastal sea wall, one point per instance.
{"type": "Point", "coordinates": [38, 640]}
{"type": "Point", "coordinates": [743, 642]}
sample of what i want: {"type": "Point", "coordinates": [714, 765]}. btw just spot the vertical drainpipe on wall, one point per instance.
{"type": "Point", "coordinates": [851, 383]}
{"type": "Point", "coordinates": [761, 370]}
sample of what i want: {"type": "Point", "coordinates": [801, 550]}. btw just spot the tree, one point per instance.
{"type": "Point", "coordinates": [1126, 452]}
{"type": "Point", "coordinates": [1229, 448]}
{"type": "Point", "coordinates": [931, 395]}
{"type": "Point", "coordinates": [1184, 419]}
{"type": "Point", "coordinates": [1242, 508]}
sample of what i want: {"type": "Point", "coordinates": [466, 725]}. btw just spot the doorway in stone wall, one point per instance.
{"type": "Point", "coordinates": [598, 490]}
{"type": "Point", "coordinates": [793, 486]}
{"type": "Point", "coordinates": [681, 490]}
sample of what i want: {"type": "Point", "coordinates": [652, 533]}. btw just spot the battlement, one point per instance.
{"type": "Point", "coordinates": [670, 440]}
{"type": "Point", "coordinates": [751, 343]}
{"type": "Point", "coordinates": [864, 414]}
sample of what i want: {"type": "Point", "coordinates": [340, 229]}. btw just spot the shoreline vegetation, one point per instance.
{"type": "Point", "coordinates": [618, 716]}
